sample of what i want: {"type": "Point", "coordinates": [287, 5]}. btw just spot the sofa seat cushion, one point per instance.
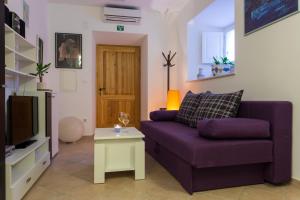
{"type": "Point", "coordinates": [200, 152]}
{"type": "Point", "coordinates": [234, 128]}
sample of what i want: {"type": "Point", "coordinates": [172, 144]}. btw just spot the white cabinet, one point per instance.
{"type": "Point", "coordinates": [212, 46]}
{"type": "Point", "coordinates": [24, 167]}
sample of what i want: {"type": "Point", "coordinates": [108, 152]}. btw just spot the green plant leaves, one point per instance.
{"type": "Point", "coordinates": [223, 60]}
{"type": "Point", "coordinates": [41, 69]}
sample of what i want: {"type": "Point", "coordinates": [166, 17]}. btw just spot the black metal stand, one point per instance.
{"type": "Point", "coordinates": [169, 64]}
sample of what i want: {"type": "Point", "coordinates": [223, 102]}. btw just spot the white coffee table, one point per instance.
{"type": "Point", "coordinates": [118, 152]}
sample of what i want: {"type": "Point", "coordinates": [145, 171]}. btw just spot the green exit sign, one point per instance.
{"type": "Point", "coordinates": [120, 28]}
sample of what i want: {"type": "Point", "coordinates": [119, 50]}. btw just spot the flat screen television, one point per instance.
{"type": "Point", "coordinates": [22, 113]}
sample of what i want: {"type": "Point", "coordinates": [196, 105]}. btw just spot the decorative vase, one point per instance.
{"type": "Point", "coordinates": [216, 69]}
{"type": "Point", "coordinates": [41, 86]}
{"type": "Point", "coordinates": [200, 75]}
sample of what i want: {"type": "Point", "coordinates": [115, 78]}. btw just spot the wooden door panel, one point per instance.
{"type": "Point", "coordinates": [125, 75]}
{"type": "Point", "coordinates": [109, 70]}
{"type": "Point", "coordinates": [111, 108]}
{"type": "Point", "coordinates": [118, 76]}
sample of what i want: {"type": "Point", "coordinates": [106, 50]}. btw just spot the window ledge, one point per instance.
{"type": "Point", "coordinates": [212, 77]}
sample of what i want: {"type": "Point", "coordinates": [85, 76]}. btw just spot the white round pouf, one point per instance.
{"type": "Point", "coordinates": [70, 129]}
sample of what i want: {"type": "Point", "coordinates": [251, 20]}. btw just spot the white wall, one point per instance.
{"type": "Point", "coordinates": [86, 20]}
{"type": "Point", "coordinates": [37, 20]}
{"type": "Point", "coordinates": [266, 61]}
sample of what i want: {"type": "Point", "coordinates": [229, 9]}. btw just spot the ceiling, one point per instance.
{"type": "Point", "coordinates": [158, 5]}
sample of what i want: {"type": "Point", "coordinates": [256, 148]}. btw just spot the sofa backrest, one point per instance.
{"type": "Point", "coordinates": [279, 114]}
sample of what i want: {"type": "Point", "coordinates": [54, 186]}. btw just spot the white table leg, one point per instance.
{"type": "Point", "coordinates": [139, 164]}
{"type": "Point", "coordinates": [99, 163]}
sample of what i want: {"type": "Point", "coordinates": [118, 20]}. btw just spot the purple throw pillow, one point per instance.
{"type": "Point", "coordinates": [163, 115]}
{"type": "Point", "coordinates": [234, 128]}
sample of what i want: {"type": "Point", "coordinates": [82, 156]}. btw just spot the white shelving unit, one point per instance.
{"type": "Point", "coordinates": [24, 166]}
{"type": "Point", "coordinates": [11, 73]}
{"type": "Point", "coordinates": [20, 59]}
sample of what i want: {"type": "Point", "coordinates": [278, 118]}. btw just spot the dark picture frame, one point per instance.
{"type": "Point", "coordinates": [261, 13]}
{"type": "Point", "coordinates": [26, 13]}
{"type": "Point", "coordinates": [40, 50]}
{"type": "Point", "coordinates": [68, 50]}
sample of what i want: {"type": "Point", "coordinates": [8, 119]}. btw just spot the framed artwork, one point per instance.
{"type": "Point", "coordinates": [68, 50]}
{"type": "Point", "coordinates": [26, 13]}
{"type": "Point", "coordinates": [40, 50]}
{"type": "Point", "coordinates": [261, 13]}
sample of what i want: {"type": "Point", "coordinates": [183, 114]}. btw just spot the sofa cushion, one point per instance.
{"type": "Point", "coordinates": [234, 128]}
{"type": "Point", "coordinates": [163, 115]}
{"type": "Point", "coordinates": [188, 107]}
{"type": "Point", "coordinates": [201, 152]}
{"type": "Point", "coordinates": [213, 106]}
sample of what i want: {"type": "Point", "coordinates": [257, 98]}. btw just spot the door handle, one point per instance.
{"type": "Point", "coordinates": [101, 89]}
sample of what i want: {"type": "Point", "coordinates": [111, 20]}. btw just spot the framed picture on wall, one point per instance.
{"type": "Point", "coordinates": [26, 13]}
{"type": "Point", "coordinates": [40, 50]}
{"type": "Point", "coordinates": [68, 50]}
{"type": "Point", "coordinates": [261, 13]}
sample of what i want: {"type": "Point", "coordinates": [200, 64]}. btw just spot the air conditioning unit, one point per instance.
{"type": "Point", "coordinates": [122, 15]}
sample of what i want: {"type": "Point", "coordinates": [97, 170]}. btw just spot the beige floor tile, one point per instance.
{"type": "Point", "coordinates": [70, 177]}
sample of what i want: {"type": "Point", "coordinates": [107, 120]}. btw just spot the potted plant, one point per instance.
{"type": "Point", "coordinates": [222, 65]}
{"type": "Point", "coordinates": [41, 70]}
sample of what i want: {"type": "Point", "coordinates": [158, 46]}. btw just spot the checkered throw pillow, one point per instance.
{"type": "Point", "coordinates": [214, 106]}
{"type": "Point", "coordinates": [188, 107]}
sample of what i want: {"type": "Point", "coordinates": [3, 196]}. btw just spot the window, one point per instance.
{"type": "Point", "coordinates": [211, 34]}
{"type": "Point", "coordinates": [230, 45]}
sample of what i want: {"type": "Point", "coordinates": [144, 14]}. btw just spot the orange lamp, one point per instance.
{"type": "Point", "coordinates": [173, 100]}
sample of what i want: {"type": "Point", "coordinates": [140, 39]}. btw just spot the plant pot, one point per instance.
{"type": "Point", "coordinates": [41, 86]}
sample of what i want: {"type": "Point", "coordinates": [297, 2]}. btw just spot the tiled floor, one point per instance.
{"type": "Point", "coordinates": [70, 177]}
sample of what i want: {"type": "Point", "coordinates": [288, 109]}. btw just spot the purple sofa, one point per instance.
{"type": "Point", "coordinates": [199, 163]}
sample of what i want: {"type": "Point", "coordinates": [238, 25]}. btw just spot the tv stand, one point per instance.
{"type": "Point", "coordinates": [25, 144]}
{"type": "Point", "coordinates": [24, 167]}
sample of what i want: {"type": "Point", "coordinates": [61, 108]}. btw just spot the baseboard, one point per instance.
{"type": "Point", "coordinates": [88, 134]}
{"type": "Point", "coordinates": [296, 179]}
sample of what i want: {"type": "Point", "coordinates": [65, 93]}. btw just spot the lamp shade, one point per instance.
{"type": "Point", "coordinates": [173, 100]}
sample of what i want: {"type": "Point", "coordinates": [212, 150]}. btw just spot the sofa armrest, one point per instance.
{"type": "Point", "coordinates": [234, 128]}
{"type": "Point", "coordinates": [279, 114]}
{"type": "Point", "coordinates": [163, 115]}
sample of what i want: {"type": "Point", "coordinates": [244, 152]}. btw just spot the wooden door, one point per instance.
{"type": "Point", "coordinates": [118, 84]}
{"type": "Point", "coordinates": [2, 104]}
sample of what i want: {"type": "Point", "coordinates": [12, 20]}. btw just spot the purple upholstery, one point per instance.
{"type": "Point", "coordinates": [202, 164]}
{"type": "Point", "coordinates": [234, 128]}
{"type": "Point", "coordinates": [279, 114]}
{"type": "Point", "coordinates": [201, 152]}
{"type": "Point", "coordinates": [164, 115]}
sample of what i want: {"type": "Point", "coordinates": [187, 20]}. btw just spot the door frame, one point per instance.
{"type": "Point", "coordinates": [138, 104]}
{"type": "Point", "coordinates": [2, 103]}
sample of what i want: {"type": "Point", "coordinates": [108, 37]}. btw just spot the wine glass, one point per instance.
{"type": "Point", "coordinates": [121, 117]}
{"type": "Point", "coordinates": [124, 118]}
